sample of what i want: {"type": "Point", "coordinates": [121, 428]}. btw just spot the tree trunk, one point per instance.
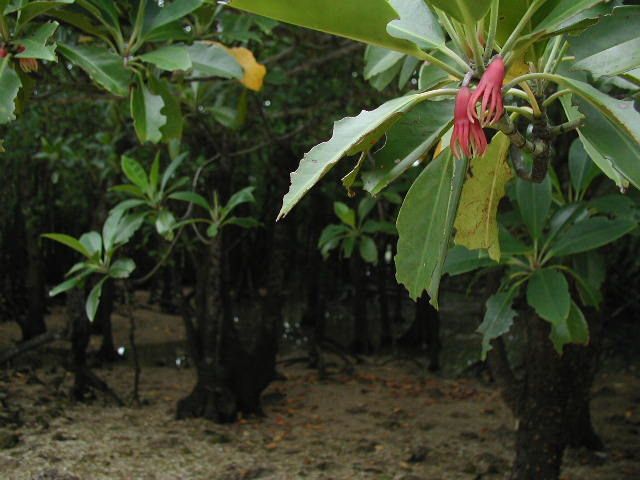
{"type": "Point", "coordinates": [361, 342]}
{"type": "Point", "coordinates": [80, 334]}
{"type": "Point", "coordinates": [552, 404]}
{"type": "Point", "coordinates": [33, 324]}
{"type": "Point", "coordinates": [102, 323]}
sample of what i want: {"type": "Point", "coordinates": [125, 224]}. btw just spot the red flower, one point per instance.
{"type": "Point", "coordinates": [27, 64]}
{"type": "Point", "coordinates": [490, 89]}
{"type": "Point", "coordinates": [468, 138]}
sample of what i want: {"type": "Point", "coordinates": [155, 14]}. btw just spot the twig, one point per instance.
{"type": "Point", "coordinates": [33, 344]}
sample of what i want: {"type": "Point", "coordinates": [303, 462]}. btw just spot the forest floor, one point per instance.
{"type": "Point", "coordinates": [389, 420]}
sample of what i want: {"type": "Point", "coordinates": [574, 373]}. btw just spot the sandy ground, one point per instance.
{"type": "Point", "coordinates": [388, 421]}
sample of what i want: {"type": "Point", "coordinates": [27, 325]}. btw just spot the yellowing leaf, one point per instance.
{"type": "Point", "coordinates": [476, 224]}
{"type": "Point", "coordinates": [517, 68]}
{"type": "Point", "coordinates": [254, 72]}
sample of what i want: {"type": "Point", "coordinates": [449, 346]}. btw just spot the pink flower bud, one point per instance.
{"type": "Point", "coordinates": [490, 89]}
{"type": "Point", "coordinates": [468, 139]}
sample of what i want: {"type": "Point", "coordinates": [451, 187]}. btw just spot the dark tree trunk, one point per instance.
{"type": "Point", "coordinates": [424, 332]}
{"type": "Point", "coordinates": [102, 323]}
{"type": "Point", "coordinates": [80, 334]}
{"type": "Point", "coordinates": [231, 376]}
{"type": "Point", "coordinates": [33, 323]}
{"type": "Point", "coordinates": [383, 299]}
{"type": "Point", "coordinates": [550, 402]}
{"type": "Point", "coordinates": [361, 342]}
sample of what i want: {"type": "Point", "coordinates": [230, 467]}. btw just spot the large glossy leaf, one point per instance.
{"type": "Point", "coordinates": [93, 300]}
{"type": "Point", "coordinates": [591, 269]}
{"type": "Point", "coordinates": [102, 65]}
{"type": "Point", "coordinates": [213, 59]}
{"type": "Point", "coordinates": [69, 242]}
{"type": "Point", "coordinates": [574, 329]}
{"type": "Point", "coordinates": [135, 173]}
{"type": "Point", "coordinates": [408, 141]}
{"type": "Point", "coordinates": [378, 60]}
{"type": "Point", "coordinates": [498, 319]}
{"type": "Point", "coordinates": [35, 45]}
{"type": "Point", "coordinates": [417, 23]}
{"type": "Point", "coordinates": [170, 58]}
{"type": "Point", "coordinates": [548, 294]}
{"type": "Point", "coordinates": [350, 136]}
{"type": "Point", "coordinates": [476, 224]}
{"type": "Point", "coordinates": [590, 234]}
{"type": "Point", "coordinates": [534, 202]}
{"type": "Point", "coordinates": [172, 129]}
{"type": "Point", "coordinates": [425, 224]}
{"type": "Point", "coordinates": [34, 8]}
{"type": "Point", "coordinates": [157, 17]}
{"type": "Point", "coordinates": [366, 22]}
{"type": "Point", "coordinates": [9, 88]}
{"type": "Point", "coordinates": [463, 9]}
{"type": "Point", "coordinates": [561, 12]}
{"type": "Point", "coordinates": [461, 260]}
{"type": "Point", "coordinates": [581, 167]}
{"type": "Point", "coordinates": [605, 164]}
{"type": "Point", "coordinates": [146, 110]}
{"type": "Point", "coordinates": [612, 46]}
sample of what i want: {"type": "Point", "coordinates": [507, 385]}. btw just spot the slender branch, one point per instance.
{"type": "Point", "coordinates": [32, 344]}
{"type": "Point", "coordinates": [552, 98]}
{"type": "Point", "coordinates": [493, 28]}
{"type": "Point", "coordinates": [532, 99]}
{"type": "Point", "coordinates": [567, 126]}
{"type": "Point", "coordinates": [515, 34]}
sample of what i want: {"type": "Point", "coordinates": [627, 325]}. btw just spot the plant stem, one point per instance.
{"type": "Point", "coordinates": [448, 26]}
{"type": "Point", "coordinates": [532, 99]}
{"type": "Point", "coordinates": [444, 66]}
{"type": "Point", "coordinates": [531, 76]}
{"type": "Point", "coordinates": [515, 35]}
{"type": "Point", "coordinates": [493, 27]}
{"type": "Point", "coordinates": [554, 52]}
{"type": "Point", "coordinates": [555, 96]}
{"type": "Point", "coordinates": [455, 57]}
{"type": "Point", "coordinates": [568, 126]}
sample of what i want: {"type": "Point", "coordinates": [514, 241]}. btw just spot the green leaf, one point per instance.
{"type": "Point", "coordinates": [581, 167]}
{"type": "Point", "coordinates": [35, 44]}
{"type": "Point", "coordinates": [345, 214]}
{"type": "Point", "coordinates": [129, 225]}
{"type": "Point", "coordinates": [154, 173]}
{"type": "Point", "coordinates": [611, 126]}
{"type": "Point", "coordinates": [169, 58]}
{"type": "Point", "coordinates": [135, 173]}
{"type": "Point", "coordinates": [604, 163]}
{"type": "Point", "coordinates": [241, 196]}
{"type": "Point", "coordinates": [346, 18]}
{"type": "Point", "coordinates": [574, 329]}
{"type": "Point", "coordinates": [214, 60]}
{"type": "Point", "coordinates": [330, 238]}
{"type": "Point", "coordinates": [591, 270]}
{"type": "Point", "coordinates": [69, 242]}
{"type": "Point", "coordinates": [92, 241]}
{"type": "Point", "coordinates": [425, 223]}
{"type": "Point", "coordinates": [191, 197]}
{"type": "Point", "coordinates": [563, 11]}
{"type": "Point", "coordinates": [462, 260]}
{"type": "Point", "coordinates": [68, 284]}
{"type": "Point", "coordinates": [548, 294]}
{"type": "Point", "coordinates": [93, 300]}
{"type": "Point", "coordinates": [165, 223]}
{"type": "Point", "coordinates": [498, 319]}
{"type": "Point", "coordinates": [9, 88]}
{"type": "Point", "coordinates": [35, 8]}
{"type": "Point", "coordinates": [378, 60]}
{"type": "Point", "coordinates": [122, 268]}
{"type": "Point", "coordinates": [417, 24]}
{"type": "Point", "coordinates": [368, 250]}
{"type": "Point", "coordinates": [408, 68]}
{"type": "Point", "coordinates": [375, 226]}
{"type": "Point", "coordinates": [476, 224]}
{"type": "Point", "coordinates": [350, 136]}
{"type": "Point", "coordinates": [408, 141]}
{"type": "Point", "coordinates": [157, 17]}
{"type": "Point", "coordinates": [146, 110]}
{"type": "Point", "coordinates": [212, 231]}
{"type": "Point", "coordinates": [171, 170]}
{"type": "Point", "coordinates": [110, 228]}
{"type": "Point", "coordinates": [590, 234]}
{"type": "Point", "coordinates": [105, 67]}
{"type": "Point", "coordinates": [534, 202]}
{"type": "Point", "coordinates": [430, 75]}
{"type": "Point", "coordinates": [462, 10]}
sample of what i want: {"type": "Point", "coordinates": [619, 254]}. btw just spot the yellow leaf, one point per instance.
{"type": "Point", "coordinates": [517, 68]}
{"type": "Point", "coordinates": [476, 224]}
{"type": "Point", "coordinates": [254, 72]}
